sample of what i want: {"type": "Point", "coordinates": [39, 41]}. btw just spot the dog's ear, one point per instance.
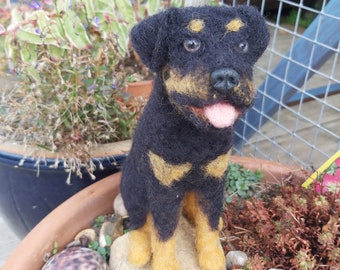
{"type": "Point", "coordinates": [149, 40]}
{"type": "Point", "coordinates": [258, 29]}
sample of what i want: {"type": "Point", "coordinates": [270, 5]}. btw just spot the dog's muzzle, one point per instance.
{"type": "Point", "coordinates": [224, 80]}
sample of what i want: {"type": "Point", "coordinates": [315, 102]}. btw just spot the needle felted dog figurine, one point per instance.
{"type": "Point", "coordinates": [203, 59]}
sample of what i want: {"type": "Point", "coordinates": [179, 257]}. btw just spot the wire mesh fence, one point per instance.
{"type": "Point", "coordinates": [296, 116]}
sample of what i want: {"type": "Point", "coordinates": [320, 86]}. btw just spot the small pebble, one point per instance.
{"type": "Point", "coordinates": [119, 207]}
{"type": "Point", "coordinates": [113, 229]}
{"type": "Point", "coordinates": [76, 258]}
{"type": "Point", "coordinates": [236, 258]}
{"type": "Point", "coordinates": [74, 243]}
{"type": "Point", "coordinates": [89, 233]}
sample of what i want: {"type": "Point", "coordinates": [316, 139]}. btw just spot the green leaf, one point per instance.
{"type": "Point", "coordinates": [153, 6]}
{"type": "Point", "coordinates": [101, 251]}
{"type": "Point", "coordinates": [42, 19]}
{"type": "Point", "coordinates": [108, 240]}
{"type": "Point", "coordinates": [75, 31]}
{"type": "Point", "coordinates": [56, 51]}
{"type": "Point", "coordinates": [106, 5]}
{"type": "Point", "coordinates": [29, 36]}
{"type": "Point", "coordinates": [241, 185]}
{"type": "Point", "coordinates": [55, 247]}
{"type": "Point", "coordinates": [124, 7]}
{"type": "Point", "coordinates": [177, 3]}
{"type": "Point", "coordinates": [229, 199]}
{"type": "Point", "coordinates": [241, 181]}
{"type": "Point", "coordinates": [8, 47]}
{"type": "Point", "coordinates": [99, 221]}
{"type": "Point", "coordinates": [33, 74]}
{"type": "Point", "coordinates": [242, 193]}
{"type": "Point", "coordinates": [94, 245]}
{"type": "Point", "coordinates": [332, 168]}
{"type": "Point", "coordinates": [90, 7]}
{"type": "Point", "coordinates": [28, 53]}
{"type": "Point", "coordinates": [123, 36]}
{"type": "Point", "coordinates": [259, 174]}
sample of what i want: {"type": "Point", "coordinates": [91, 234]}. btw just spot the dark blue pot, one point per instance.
{"type": "Point", "coordinates": [26, 197]}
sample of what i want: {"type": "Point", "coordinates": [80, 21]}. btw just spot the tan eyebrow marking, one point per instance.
{"type": "Point", "coordinates": [234, 25]}
{"type": "Point", "coordinates": [196, 25]}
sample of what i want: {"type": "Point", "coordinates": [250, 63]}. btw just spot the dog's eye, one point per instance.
{"type": "Point", "coordinates": [242, 47]}
{"type": "Point", "coordinates": [192, 45]}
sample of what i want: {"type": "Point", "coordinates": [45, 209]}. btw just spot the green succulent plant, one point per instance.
{"type": "Point", "coordinates": [241, 182]}
{"type": "Point", "coordinates": [70, 58]}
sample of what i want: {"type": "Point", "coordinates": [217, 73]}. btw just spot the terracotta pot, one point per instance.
{"type": "Point", "coordinates": [142, 88]}
{"type": "Point", "coordinates": [79, 211]}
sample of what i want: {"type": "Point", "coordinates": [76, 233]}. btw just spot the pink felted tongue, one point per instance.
{"type": "Point", "coordinates": [221, 115]}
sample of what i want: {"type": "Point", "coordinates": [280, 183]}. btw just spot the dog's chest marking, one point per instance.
{"type": "Point", "coordinates": [218, 167]}
{"type": "Point", "coordinates": [234, 25]}
{"type": "Point", "coordinates": [165, 172]}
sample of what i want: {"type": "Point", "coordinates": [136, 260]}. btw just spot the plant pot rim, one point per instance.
{"type": "Point", "coordinates": [140, 88]}
{"type": "Point", "coordinates": [96, 200]}
{"type": "Point", "coordinates": [17, 151]}
{"type": "Point", "coordinates": [142, 83]}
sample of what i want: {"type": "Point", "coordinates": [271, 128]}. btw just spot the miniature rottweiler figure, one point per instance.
{"type": "Point", "coordinates": [203, 59]}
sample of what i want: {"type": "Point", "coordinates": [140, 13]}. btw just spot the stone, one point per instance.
{"type": "Point", "coordinates": [119, 207]}
{"type": "Point", "coordinates": [76, 258]}
{"type": "Point", "coordinates": [236, 258]}
{"type": "Point", "coordinates": [186, 251]}
{"type": "Point", "coordinates": [112, 228]}
{"type": "Point", "coordinates": [89, 233]}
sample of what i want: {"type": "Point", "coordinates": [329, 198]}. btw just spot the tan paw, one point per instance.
{"type": "Point", "coordinates": [139, 248]}
{"type": "Point", "coordinates": [164, 254]}
{"type": "Point", "coordinates": [212, 259]}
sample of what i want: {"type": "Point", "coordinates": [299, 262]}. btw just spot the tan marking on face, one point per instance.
{"type": "Point", "coordinates": [234, 25]}
{"type": "Point", "coordinates": [196, 25]}
{"type": "Point", "coordinates": [165, 172]}
{"type": "Point", "coordinates": [189, 85]}
{"type": "Point", "coordinates": [218, 167]}
{"type": "Point", "coordinates": [246, 96]}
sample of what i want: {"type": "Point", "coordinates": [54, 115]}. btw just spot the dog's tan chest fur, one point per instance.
{"type": "Point", "coordinates": [167, 173]}
{"type": "Point", "coordinates": [218, 167]}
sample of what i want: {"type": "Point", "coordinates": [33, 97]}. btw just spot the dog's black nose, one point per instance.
{"type": "Point", "coordinates": [224, 80]}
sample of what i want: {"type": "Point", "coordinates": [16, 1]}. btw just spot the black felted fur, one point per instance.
{"type": "Point", "coordinates": [171, 130]}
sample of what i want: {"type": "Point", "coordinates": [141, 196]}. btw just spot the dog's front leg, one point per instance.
{"type": "Point", "coordinates": [165, 213]}
{"type": "Point", "coordinates": [210, 252]}
{"type": "Point", "coordinates": [140, 245]}
{"type": "Point", "coordinates": [209, 249]}
{"type": "Point", "coordinates": [165, 197]}
{"type": "Point", "coordinates": [164, 253]}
